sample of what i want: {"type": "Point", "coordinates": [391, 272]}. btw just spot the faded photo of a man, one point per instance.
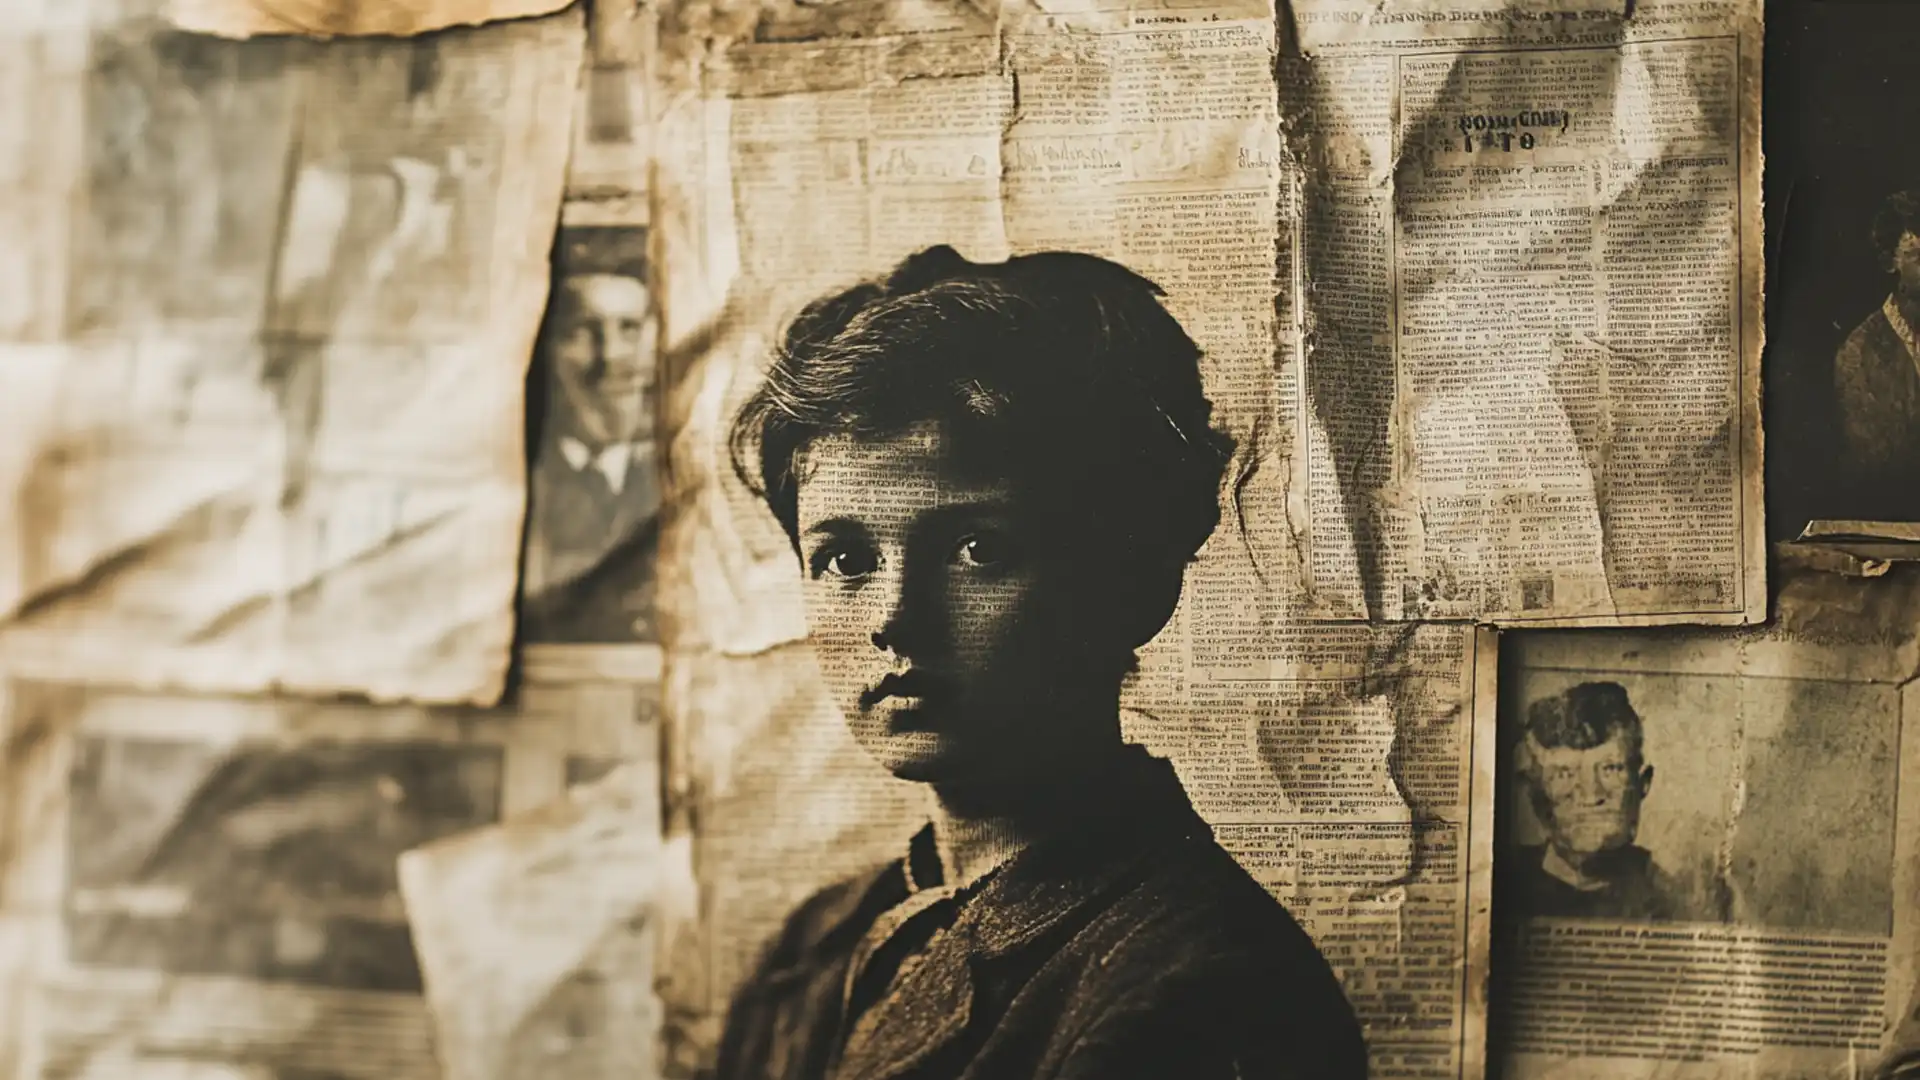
{"type": "Point", "coordinates": [595, 491]}
{"type": "Point", "coordinates": [1876, 372]}
{"type": "Point", "coordinates": [1582, 764]}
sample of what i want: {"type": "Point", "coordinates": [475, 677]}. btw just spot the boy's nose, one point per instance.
{"type": "Point", "coordinates": [906, 617]}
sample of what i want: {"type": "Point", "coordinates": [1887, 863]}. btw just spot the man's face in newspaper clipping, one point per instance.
{"type": "Point", "coordinates": [600, 339]}
{"type": "Point", "coordinates": [929, 607]}
{"type": "Point", "coordinates": [1589, 800]}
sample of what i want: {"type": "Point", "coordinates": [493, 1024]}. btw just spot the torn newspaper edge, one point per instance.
{"type": "Point", "coordinates": [278, 443]}
{"type": "Point", "coordinates": [345, 18]}
{"type": "Point", "coordinates": [1713, 866]}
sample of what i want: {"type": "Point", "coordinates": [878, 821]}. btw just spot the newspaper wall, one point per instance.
{"type": "Point", "coordinates": [1713, 873]}
{"type": "Point", "coordinates": [207, 886]}
{"type": "Point", "coordinates": [1338, 764]}
{"type": "Point", "coordinates": [268, 318]}
{"type": "Point", "coordinates": [1528, 279]}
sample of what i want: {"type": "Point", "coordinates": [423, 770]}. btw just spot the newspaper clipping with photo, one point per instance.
{"type": "Point", "coordinates": [1715, 849]}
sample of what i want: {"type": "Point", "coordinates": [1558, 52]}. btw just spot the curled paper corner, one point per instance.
{"type": "Point", "coordinates": [323, 19]}
{"type": "Point", "coordinates": [1859, 549]}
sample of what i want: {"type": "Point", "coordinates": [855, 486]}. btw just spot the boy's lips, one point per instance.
{"type": "Point", "coordinates": [914, 684]}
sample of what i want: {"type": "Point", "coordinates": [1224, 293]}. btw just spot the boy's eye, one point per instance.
{"type": "Point", "coordinates": [983, 549]}
{"type": "Point", "coordinates": [843, 562]}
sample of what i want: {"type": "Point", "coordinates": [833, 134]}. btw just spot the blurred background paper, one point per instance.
{"type": "Point", "coordinates": [207, 886]}
{"type": "Point", "coordinates": [269, 434]}
{"type": "Point", "coordinates": [536, 936]}
{"type": "Point", "coordinates": [329, 18]}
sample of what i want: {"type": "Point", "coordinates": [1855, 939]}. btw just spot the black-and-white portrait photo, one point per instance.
{"type": "Point", "coordinates": [594, 498]}
{"type": "Point", "coordinates": [993, 477]}
{"type": "Point", "coordinates": [1843, 280]}
{"type": "Point", "coordinates": [1670, 798]}
{"type": "Point", "coordinates": [262, 861]}
{"type": "Point", "coordinates": [1584, 766]}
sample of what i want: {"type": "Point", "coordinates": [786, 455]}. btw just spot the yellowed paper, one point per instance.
{"type": "Point", "coordinates": [345, 18]}
{"type": "Point", "coordinates": [270, 434]}
{"type": "Point", "coordinates": [1529, 300]}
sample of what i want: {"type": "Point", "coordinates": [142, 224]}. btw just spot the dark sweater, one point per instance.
{"type": "Point", "coordinates": [1130, 945]}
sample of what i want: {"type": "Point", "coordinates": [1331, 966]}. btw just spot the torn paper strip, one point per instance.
{"type": "Point", "coordinates": [1529, 311]}
{"type": "Point", "coordinates": [1716, 848]}
{"type": "Point", "coordinates": [345, 18]}
{"type": "Point", "coordinates": [595, 483]}
{"type": "Point", "coordinates": [277, 441]}
{"type": "Point", "coordinates": [207, 886]}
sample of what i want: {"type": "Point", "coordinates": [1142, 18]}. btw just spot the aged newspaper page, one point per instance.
{"type": "Point", "coordinates": [1528, 282]}
{"type": "Point", "coordinates": [1716, 845]}
{"type": "Point", "coordinates": [207, 886]}
{"type": "Point", "coordinates": [343, 18]}
{"type": "Point", "coordinates": [1337, 764]}
{"type": "Point", "coordinates": [261, 407]}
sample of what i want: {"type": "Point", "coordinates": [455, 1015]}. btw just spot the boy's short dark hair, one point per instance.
{"type": "Point", "coordinates": [1059, 371]}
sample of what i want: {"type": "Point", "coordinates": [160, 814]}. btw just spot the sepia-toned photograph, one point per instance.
{"type": "Point", "coordinates": [1583, 763]}
{"type": "Point", "coordinates": [594, 488]}
{"type": "Point", "coordinates": [1629, 786]}
{"type": "Point", "coordinates": [993, 477]}
{"type": "Point", "coordinates": [270, 862]}
{"type": "Point", "coordinates": [1843, 279]}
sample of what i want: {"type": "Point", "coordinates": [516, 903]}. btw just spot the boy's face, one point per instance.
{"type": "Point", "coordinates": [1589, 800]}
{"type": "Point", "coordinates": [941, 619]}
